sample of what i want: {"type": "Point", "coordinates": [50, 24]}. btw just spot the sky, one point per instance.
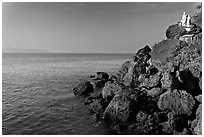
{"type": "Point", "coordinates": [88, 27]}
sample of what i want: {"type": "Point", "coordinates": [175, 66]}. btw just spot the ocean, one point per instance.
{"type": "Point", "coordinates": [37, 96]}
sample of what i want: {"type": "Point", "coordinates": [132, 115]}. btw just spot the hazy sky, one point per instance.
{"type": "Point", "coordinates": [88, 27]}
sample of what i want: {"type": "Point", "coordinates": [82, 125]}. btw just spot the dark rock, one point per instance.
{"type": "Point", "coordinates": [143, 54]}
{"type": "Point", "coordinates": [197, 123]}
{"type": "Point", "coordinates": [195, 29]}
{"type": "Point", "coordinates": [175, 31]}
{"type": "Point", "coordinates": [141, 116]}
{"type": "Point", "coordinates": [99, 83]}
{"type": "Point", "coordinates": [102, 75]}
{"type": "Point", "coordinates": [96, 106]}
{"type": "Point", "coordinates": [177, 101]}
{"type": "Point", "coordinates": [184, 132]}
{"type": "Point", "coordinates": [119, 109]}
{"type": "Point", "coordinates": [190, 83]}
{"type": "Point", "coordinates": [83, 89]}
{"type": "Point", "coordinates": [123, 70]}
{"type": "Point", "coordinates": [147, 126]}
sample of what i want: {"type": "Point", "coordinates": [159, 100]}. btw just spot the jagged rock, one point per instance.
{"type": "Point", "coordinates": [143, 54]}
{"type": "Point", "coordinates": [184, 132]}
{"type": "Point", "coordinates": [83, 89]}
{"type": "Point", "coordinates": [96, 106]}
{"type": "Point", "coordinates": [152, 81]}
{"type": "Point", "coordinates": [175, 31]}
{"type": "Point", "coordinates": [119, 109]}
{"type": "Point", "coordinates": [195, 29]}
{"type": "Point", "coordinates": [110, 89]}
{"type": "Point", "coordinates": [131, 77]}
{"type": "Point", "coordinates": [175, 124]}
{"type": "Point", "coordinates": [99, 83]}
{"type": "Point", "coordinates": [197, 123]}
{"type": "Point", "coordinates": [199, 98]}
{"type": "Point", "coordinates": [123, 70]}
{"type": "Point", "coordinates": [177, 101]}
{"type": "Point", "coordinates": [102, 75]}
{"type": "Point", "coordinates": [190, 83]}
{"type": "Point", "coordinates": [147, 126]}
{"type": "Point", "coordinates": [166, 80]}
{"type": "Point", "coordinates": [154, 92]}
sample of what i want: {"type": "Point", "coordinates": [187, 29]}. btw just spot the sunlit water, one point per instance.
{"type": "Point", "coordinates": [37, 95]}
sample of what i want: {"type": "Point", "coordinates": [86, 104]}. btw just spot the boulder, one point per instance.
{"type": "Point", "coordinates": [154, 92]}
{"type": "Point", "coordinates": [120, 109]}
{"type": "Point", "coordinates": [175, 124]}
{"type": "Point", "coordinates": [197, 123]}
{"type": "Point", "coordinates": [102, 76]}
{"type": "Point", "coordinates": [175, 31]}
{"type": "Point", "coordinates": [166, 80]}
{"type": "Point", "coordinates": [152, 81]}
{"type": "Point", "coordinates": [123, 70]}
{"type": "Point", "coordinates": [131, 77]}
{"type": "Point", "coordinates": [177, 101]}
{"type": "Point", "coordinates": [83, 88]}
{"type": "Point", "coordinates": [96, 106]}
{"type": "Point", "coordinates": [110, 90]}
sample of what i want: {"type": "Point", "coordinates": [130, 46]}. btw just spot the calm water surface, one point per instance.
{"type": "Point", "coordinates": [37, 93]}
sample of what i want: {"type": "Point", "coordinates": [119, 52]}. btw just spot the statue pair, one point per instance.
{"type": "Point", "coordinates": [185, 21]}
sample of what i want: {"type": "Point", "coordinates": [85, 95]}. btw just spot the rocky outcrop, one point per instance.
{"type": "Point", "coordinates": [158, 91]}
{"type": "Point", "coordinates": [119, 109]}
{"type": "Point", "coordinates": [83, 88]}
{"type": "Point", "coordinates": [177, 101]}
{"type": "Point", "coordinates": [175, 31]}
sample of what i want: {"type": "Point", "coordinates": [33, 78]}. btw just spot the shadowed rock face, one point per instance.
{"type": "Point", "coordinates": [83, 89]}
{"type": "Point", "coordinates": [159, 91]}
{"type": "Point", "coordinates": [119, 109]}
{"type": "Point", "coordinates": [175, 31]}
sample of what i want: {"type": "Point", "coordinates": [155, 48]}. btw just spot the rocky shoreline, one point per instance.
{"type": "Point", "coordinates": [158, 91]}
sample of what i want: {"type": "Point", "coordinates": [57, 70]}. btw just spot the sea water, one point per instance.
{"type": "Point", "coordinates": [37, 96]}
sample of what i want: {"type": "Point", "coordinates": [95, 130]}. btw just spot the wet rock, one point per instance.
{"type": "Point", "coordinates": [119, 109]}
{"type": "Point", "coordinates": [83, 88]}
{"type": "Point", "coordinates": [197, 123]}
{"type": "Point", "coordinates": [96, 106]}
{"type": "Point", "coordinates": [177, 101]}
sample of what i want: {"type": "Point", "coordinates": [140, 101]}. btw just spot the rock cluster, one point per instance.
{"type": "Point", "coordinates": [158, 91]}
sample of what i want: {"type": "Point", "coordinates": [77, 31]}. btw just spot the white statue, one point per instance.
{"type": "Point", "coordinates": [183, 19]}
{"type": "Point", "coordinates": [188, 19]}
